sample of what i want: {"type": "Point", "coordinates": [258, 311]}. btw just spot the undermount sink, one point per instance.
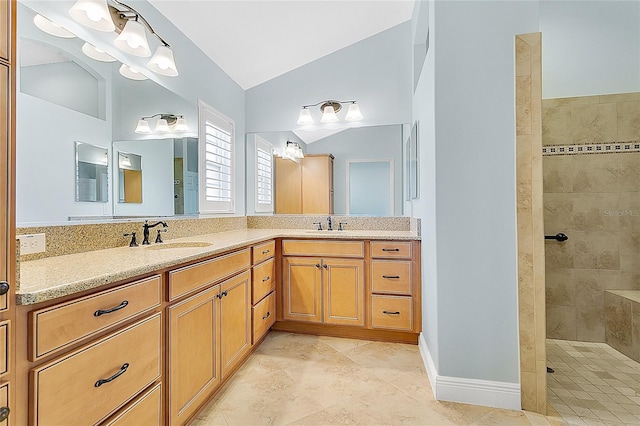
{"type": "Point", "coordinates": [178, 245]}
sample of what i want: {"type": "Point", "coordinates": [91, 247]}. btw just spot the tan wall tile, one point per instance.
{"type": "Point", "coordinates": [556, 125]}
{"type": "Point", "coordinates": [523, 58]}
{"type": "Point", "coordinates": [589, 288]}
{"type": "Point", "coordinates": [594, 123]}
{"type": "Point", "coordinates": [595, 172]}
{"type": "Point", "coordinates": [628, 121]}
{"type": "Point", "coordinates": [596, 212]}
{"type": "Point", "coordinates": [629, 280]}
{"type": "Point", "coordinates": [630, 251]}
{"type": "Point", "coordinates": [575, 101]}
{"type": "Point", "coordinates": [529, 388]}
{"type": "Point", "coordinates": [590, 323]}
{"type": "Point", "coordinates": [619, 97]}
{"type": "Point", "coordinates": [561, 322]}
{"type": "Point", "coordinates": [629, 171]}
{"type": "Point", "coordinates": [557, 174]}
{"type": "Point", "coordinates": [560, 287]}
{"type": "Point", "coordinates": [558, 213]}
{"type": "Point", "coordinates": [618, 323]}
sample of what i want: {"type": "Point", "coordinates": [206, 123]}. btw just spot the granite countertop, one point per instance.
{"type": "Point", "coordinates": [46, 279]}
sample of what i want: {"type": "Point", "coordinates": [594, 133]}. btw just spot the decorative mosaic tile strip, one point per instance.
{"type": "Point", "coordinates": [598, 148]}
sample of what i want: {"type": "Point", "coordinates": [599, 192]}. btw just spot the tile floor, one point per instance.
{"type": "Point", "coordinates": [294, 379]}
{"type": "Point", "coordinates": [593, 384]}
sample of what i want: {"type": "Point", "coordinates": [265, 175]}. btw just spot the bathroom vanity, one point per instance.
{"type": "Point", "coordinates": [154, 341]}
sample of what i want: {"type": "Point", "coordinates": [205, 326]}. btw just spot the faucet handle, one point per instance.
{"type": "Point", "coordinates": [134, 242]}
{"type": "Point", "coordinates": [158, 237]}
{"type": "Point", "coordinates": [319, 225]}
{"type": "Point", "coordinates": [340, 226]}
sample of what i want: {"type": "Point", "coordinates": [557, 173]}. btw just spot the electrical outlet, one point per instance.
{"type": "Point", "coordinates": [32, 243]}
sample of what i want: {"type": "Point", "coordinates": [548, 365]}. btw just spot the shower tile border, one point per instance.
{"type": "Point", "coordinates": [595, 148]}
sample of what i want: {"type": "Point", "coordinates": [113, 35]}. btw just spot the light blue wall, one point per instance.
{"type": "Point", "coordinates": [468, 178]}
{"type": "Point", "coordinates": [362, 143]}
{"type": "Point", "coordinates": [590, 47]}
{"type": "Point", "coordinates": [376, 72]}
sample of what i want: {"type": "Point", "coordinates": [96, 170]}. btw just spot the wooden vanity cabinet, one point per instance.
{"type": "Point", "coordinates": [327, 289]}
{"type": "Point", "coordinates": [304, 187]}
{"type": "Point", "coordinates": [263, 301]}
{"type": "Point", "coordinates": [8, 67]}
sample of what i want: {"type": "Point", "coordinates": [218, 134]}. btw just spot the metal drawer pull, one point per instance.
{"type": "Point", "coordinates": [391, 276]}
{"type": "Point", "coordinates": [108, 311]}
{"type": "Point", "coordinates": [4, 289]}
{"type": "Point", "coordinates": [266, 251]}
{"type": "Point", "coordinates": [221, 295]}
{"type": "Point", "coordinates": [115, 376]}
{"type": "Point", "coordinates": [267, 278]}
{"type": "Point", "coordinates": [4, 413]}
{"type": "Point", "coordinates": [267, 315]}
{"type": "Point", "coordinates": [391, 313]}
{"type": "Point", "coordinates": [390, 249]}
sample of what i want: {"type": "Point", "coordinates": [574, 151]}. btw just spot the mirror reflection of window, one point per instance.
{"type": "Point", "coordinates": [130, 177]}
{"type": "Point", "coordinates": [91, 173]}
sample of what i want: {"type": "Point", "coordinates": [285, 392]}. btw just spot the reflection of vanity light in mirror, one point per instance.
{"type": "Point", "coordinates": [292, 151]}
{"type": "Point", "coordinates": [165, 123]}
{"type": "Point", "coordinates": [97, 54]}
{"type": "Point", "coordinates": [51, 27]}
{"type": "Point", "coordinates": [329, 110]}
{"type": "Point", "coordinates": [130, 25]}
{"type": "Point", "coordinates": [131, 73]}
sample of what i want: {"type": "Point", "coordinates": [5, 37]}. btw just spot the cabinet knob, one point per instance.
{"type": "Point", "coordinates": [317, 265]}
{"type": "Point", "coordinates": [324, 266]}
{"type": "Point", "coordinates": [4, 413]}
{"type": "Point", "coordinates": [4, 287]}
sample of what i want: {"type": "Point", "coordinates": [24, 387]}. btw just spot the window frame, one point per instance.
{"type": "Point", "coordinates": [267, 147]}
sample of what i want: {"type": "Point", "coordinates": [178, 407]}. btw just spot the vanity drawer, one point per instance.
{"type": "Point", "coordinates": [146, 410]}
{"type": "Point", "coordinates": [391, 276]}
{"type": "Point", "coordinates": [264, 251]}
{"type": "Point", "coordinates": [70, 388]}
{"type": "Point", "coordinates": [392, 312]}
{"type": "Point", "coordinates": [4, 402]}
{"type": "Point", "coordinates": [55, 327]}
{"type": "Point", "coordinates": [323, 248]}
{"type": "Point", "coordinates": [4, 346]}
{"type": "Point", "coordinates": [391, 249]}
{"type": "Point", "coordinates": [263, 282]}
{"type": "Point", "coordinates": [185, 280]}
{"type": "Point", "coordinates": [264, 315]}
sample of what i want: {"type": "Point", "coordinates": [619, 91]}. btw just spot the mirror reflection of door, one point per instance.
{"type": "Point", "coordinates": [130, 177]}
{"type": "Point", "coordinates": [370, 187]}
{"type": "Point", "coordinates": [91, 173]}
{"type": "Point", "coordinates": [185, 175]}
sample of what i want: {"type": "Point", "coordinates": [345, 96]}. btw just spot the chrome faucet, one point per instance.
{"type": "Point", "coordinates": [329, 224]}
{"type": "Point", "coordinates": [145, 230]}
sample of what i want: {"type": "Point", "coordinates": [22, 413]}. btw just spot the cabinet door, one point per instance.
{"type": "Point", "coordinates": [235, 321]}
{"type": "Point", "coordinates": [316, 185]}
{"type": "Point", "coordinates": [343, 291]}
{"type": "Point", "coordinates": [5, 28]}
{"type": "Point", "coordinates": [6, 245]}
{"type": "Point", "coordinates": [302, 289]}
{"type": "Point", "coordinates": [193, 353]}
{"type": "Point", "coordinates": [288, 186]}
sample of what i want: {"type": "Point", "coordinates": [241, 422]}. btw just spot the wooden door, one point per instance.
{"type": "Point", "coordinates": [235, 321]}
{"type": "Point", "coordinates": [288, 186]}
{"type": "Point", "coordinates": [343, 282]}
{"type": "Point", "coordinates": [132, 186]}
{"type": "Point", "coordinates": [5, 35]}
{"type": "Point", "coordinates": [193, 367]}
{"type": "Point", "coordinates": [302, 289]}
{"type": "Point", "coordinates": [178, 186]}
{"type": "Point", "coordinates": [317, 181]}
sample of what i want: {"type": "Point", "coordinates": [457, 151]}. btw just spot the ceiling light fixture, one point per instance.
{"type": "Point", "coordinates": [329, 110]}
{"type": "Point", "coordinates": [165, 123]}
{"type": "Point", "coordinates": [131, 73]}
{"type": "Point", "coordinates": [51, 27]}
{"type": "Point", "coordinates": [130, 25]}
{"type": "Point", "coordinates": [98, 54]}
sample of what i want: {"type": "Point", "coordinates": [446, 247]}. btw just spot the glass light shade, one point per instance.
{"type": "Point", "coordinates": [98, 54]}
{"type": "Point", "coordinates": [353, 114]}
{"type": "Point", "coordinates": [93, 14]}
{"type": "Point", "coordinates": [131, 73]}
{"type": "Point", "coordinates": [162, 62]}
{"type": "Point", "coordinates": [305, 117]}
{"type": "Point", "coordinates": [329, 115]}
{"type": "Point", "coordinates": [133, 39]}
{"type": "Point", "coordinates": [143, 127]}
{"type": "Point", "coordinates": [162, 126]}
{"type": "Point", "coordinates": [51, 27]}
{"type": "Point", "coordinates": [181, 125]}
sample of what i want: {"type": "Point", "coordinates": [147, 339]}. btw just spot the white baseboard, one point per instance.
{"type": "Point", "coordinates": [469, 391]}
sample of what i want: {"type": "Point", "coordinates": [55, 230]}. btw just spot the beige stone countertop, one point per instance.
{"type": "Point", "coordinates": [46, 279]}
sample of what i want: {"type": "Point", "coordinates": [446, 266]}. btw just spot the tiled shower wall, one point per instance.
{"type": "Point", "coordinates": [595, 199]}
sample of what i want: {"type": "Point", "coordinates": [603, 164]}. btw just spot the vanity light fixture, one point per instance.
{"type": "Point", "coordinates": [131, 73]}
{"type": "Point", "coordinates": [164, 124]}
{"type": "Point", "coordinates": [98, 54]}
{"type": "Point", "coordinates": [329, 110]}
{"type": "Point", "coordinates": [132, 29]}
{"type": "Point", "coordinates": [292, 151]}
{"type": "Point", "coordinates": [51, 27]}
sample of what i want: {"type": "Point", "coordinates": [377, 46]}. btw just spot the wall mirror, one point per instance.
{"type": "Point", "coordinates": [58, 83]}
{"type": "Point", "coordinates": [360, 148]}
{"type": "Point", "coordinates": [129, 178]}
{"type": "Point", "coordinates": [92, 173]}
